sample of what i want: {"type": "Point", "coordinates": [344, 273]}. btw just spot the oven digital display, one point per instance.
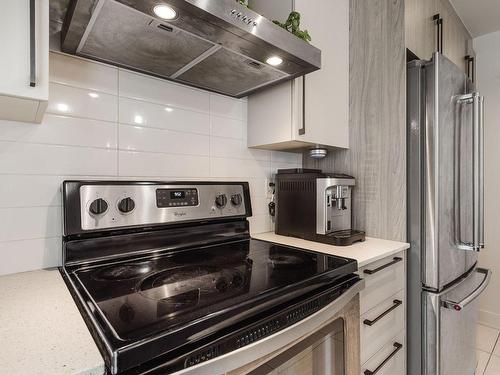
{"type": "Point", "coordinates": [174, 198]}
{"type": "Point", "coordinates": [177, 194]}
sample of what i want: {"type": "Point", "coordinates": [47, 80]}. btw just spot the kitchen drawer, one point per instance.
{"type": "Point", "coordinates": [388, 278]}
{"type": "Point", "coordinates": [387, 320]}
{"type": "Point", "coordinates": [390, 359]}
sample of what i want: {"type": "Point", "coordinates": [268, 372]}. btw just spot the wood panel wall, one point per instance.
{"type": "Point", "coordinates": [377, 124]}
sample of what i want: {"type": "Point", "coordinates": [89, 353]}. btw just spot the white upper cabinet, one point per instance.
{"type": "Point", "coordinates": [313, 110]}
{"type": "Point", "coordinates": [24, 65]}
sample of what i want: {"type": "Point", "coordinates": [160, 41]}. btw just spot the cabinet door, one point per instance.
{"type": "Point", "coordinates": [455, 34]}
{"type": "Point", "coordinates": [326, 91]}
{"type": "Point", "coordinates": [15, 37]}
{"type": "Point", "coordinates": [420, 28]}
{"type": "Point", "coordinates": [270, 111]}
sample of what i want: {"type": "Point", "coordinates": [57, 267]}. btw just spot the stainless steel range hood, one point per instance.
{"type": "Point", "coordinates": [217, 45]}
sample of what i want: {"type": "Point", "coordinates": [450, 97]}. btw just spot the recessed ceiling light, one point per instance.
{"type": "Point", "coordinates": [93, 95]}
{"type": "Point", "coordinates": [168, 109]}
{"type": "Point", "coordinates": [164, 11]}
{"type": "Point", "coordinates": [62, 107]}
{"type": "Point", "coordinates": [138, 119]}
{"type": "Point", "coordinates": [274, 60]}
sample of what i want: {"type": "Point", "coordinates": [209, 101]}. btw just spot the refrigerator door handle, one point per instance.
{"type": "Point", "coordinates": [481, 172]}
{"type": "Point", "coordinates": [458, 306]}
{"type": "Point", "coordinates": [477, 186]}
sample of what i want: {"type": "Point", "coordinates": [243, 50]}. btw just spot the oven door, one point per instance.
{"type": "Point", "coordinates": [450, 326]}
{"type": "Point", "coordinates": [312, 343]}
{"type": "Point", "coordinates": [322, 353]}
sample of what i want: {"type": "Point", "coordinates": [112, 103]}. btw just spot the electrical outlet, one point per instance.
{"type": "Point", "coordinates": [269, 188]}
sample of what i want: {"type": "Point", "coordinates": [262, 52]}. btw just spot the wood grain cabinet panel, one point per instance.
{"type": "Point", "coordinates": [420, 28]}
{"type": "Point", "coordinates": [377, 119]}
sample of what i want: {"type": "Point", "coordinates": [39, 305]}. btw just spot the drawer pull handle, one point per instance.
{"type": "Point", "coordinates": [394, 261]}
{"type": "Point", "coordinates": [398, 347]}
{"type": "Point", "coordinates": [396, 303]}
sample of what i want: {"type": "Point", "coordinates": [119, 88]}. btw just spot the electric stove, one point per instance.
{"type": "Point", "coordinates": [167, 276]}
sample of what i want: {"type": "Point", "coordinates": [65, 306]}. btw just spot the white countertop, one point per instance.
{"type": "Point", "coordinates": [41, 329]}
{"type": "Point", "coordinates": [371, 250]}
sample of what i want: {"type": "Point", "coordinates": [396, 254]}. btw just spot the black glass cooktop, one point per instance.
{"type": "Point", "coordinates": [140, 298]}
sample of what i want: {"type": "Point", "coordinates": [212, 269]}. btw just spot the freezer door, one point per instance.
{"type": "Point", "coordinates": [448, 175]}
{"type": "Point", "coordinates": [449, 326]}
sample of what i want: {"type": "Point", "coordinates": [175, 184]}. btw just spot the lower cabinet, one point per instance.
{"type": "Point", "coordinates": [389, 360]}
{"type": "Point", "coordinates": [383, 317]}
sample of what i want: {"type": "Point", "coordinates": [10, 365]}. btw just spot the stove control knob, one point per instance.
{"type": "Point", "coordinates": [236, 199]}
{"type": "Point", "coordinates": [221, 200]}
{"type": "Point", "coordinates": [126, 205]}
{"type": "Point", "coordinates": [98, 207]}
{"type": "Point", "coordinates": [221, 285]}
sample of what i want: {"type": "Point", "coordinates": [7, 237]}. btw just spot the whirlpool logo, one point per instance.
{"type": "Point", "coordinates": [179, 214]}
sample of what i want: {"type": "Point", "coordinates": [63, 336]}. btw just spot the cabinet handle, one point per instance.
{"type": "Point", "coordinates": [394, 261]}
{"type": "Point", "coordinates": [398, 347]}
{"type": "Point", "coordinates": [32, 44]}
{"type": "Point", "coordinates": [396, 303]}
{"type": "Point", "coordinates": [471, 61]}
{"type": "Point", "coordinates": [302, 130]}
{"type": "Point", "coordinates": [438, 20]}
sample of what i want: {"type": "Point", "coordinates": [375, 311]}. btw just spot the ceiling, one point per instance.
{"type": "Point", "coordinates": [479, 16]}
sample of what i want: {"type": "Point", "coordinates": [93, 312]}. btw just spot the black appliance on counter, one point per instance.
{"type": "Point", "coordinates": [315, 206]}
{"type": "Point", "coordinates": [166, 275]}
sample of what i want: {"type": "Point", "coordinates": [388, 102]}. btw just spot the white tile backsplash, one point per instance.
{"type": "Point", "coordinates": [29, 223]}
{"type": "Point", "coordinates": [32, 158]}
{"type": "Point", "coordinates": [236, 149]}
{"type": "Point", "coordinates": [150, 89]}
{"type": "Point", "coordinates": [148, 164]}
{"type": "Point", "coordinates": [30, 191]}
{"type": "Point", "coordinates": [62, 130]}
{"type": "Point", "coordinates": [91, 131]}
{"type": "Point", "coordinates": [89, 75]}
{"type": "Point", "coordinates": [136, 138]}
{"type": "Point", "coordinates": [20, 256]}
{"type": "Point", "coordinates": [77, 102]}
{"type": "Point", "coordinates": [227, 127]}
{"type": "Point", "coordinates": [163, 117]}
{"type": "Point", "coordinates": [241, 168]}
{"type": "Point", "coordinates": [227, 107]}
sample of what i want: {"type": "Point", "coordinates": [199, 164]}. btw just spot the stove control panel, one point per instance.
{"type": "Point", "coordinates": [176, 197]}
{"type": "Point", "coordinates": [134, 204]}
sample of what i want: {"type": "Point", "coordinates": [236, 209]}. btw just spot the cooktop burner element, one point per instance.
{"type": "Point", "coordinates": [122, 272]}
{"type": "Point", "coordinates": [155, 292]}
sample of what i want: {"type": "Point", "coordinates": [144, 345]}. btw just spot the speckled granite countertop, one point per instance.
{"type": "Point", "coordinates": [41, 329]}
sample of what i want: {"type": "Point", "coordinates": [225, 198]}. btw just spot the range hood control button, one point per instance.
{"type": "Point", "coordinates": [98, 207]}
{"type": "Point", "coordinates": [221, 200]}
{"type": "Point", "coordinates": [126, 205]}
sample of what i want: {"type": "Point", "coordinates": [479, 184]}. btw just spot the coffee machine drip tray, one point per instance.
{"type": "Point", "coordinates": [342, 237]}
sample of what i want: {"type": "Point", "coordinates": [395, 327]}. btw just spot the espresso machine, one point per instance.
{"type": "Point", "coordinates": [315, 206]}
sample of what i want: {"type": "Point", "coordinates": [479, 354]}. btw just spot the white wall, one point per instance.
{"type": "Point", "coordinates": [126, 132]}
{"type": "Point", "coordinates": [487, 49]}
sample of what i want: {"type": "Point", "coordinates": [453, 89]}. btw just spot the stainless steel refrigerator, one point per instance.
{"type": "Point", "coordinates": [445, 217]}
